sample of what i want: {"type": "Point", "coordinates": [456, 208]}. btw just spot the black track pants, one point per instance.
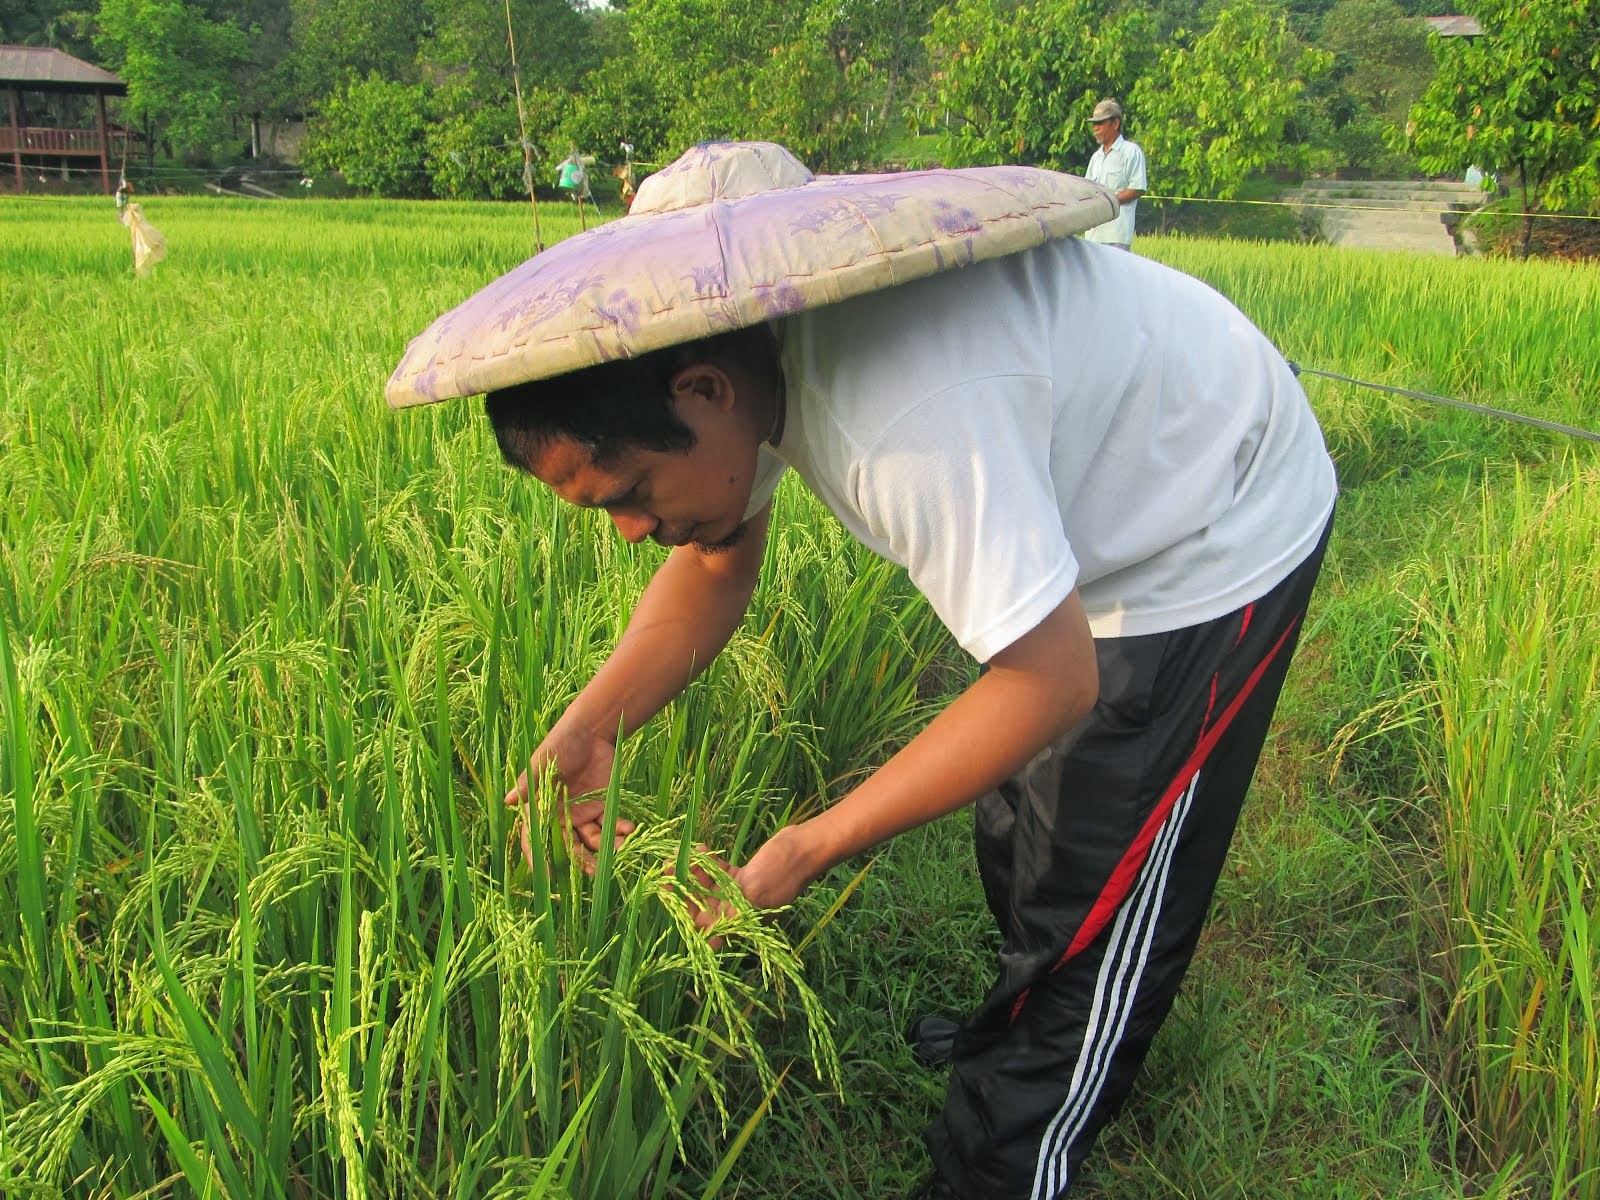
{"type": "Point", "coordinates": [1099, 860]}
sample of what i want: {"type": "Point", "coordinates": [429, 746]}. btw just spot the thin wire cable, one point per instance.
{"type": "Point", "coordinates": [1468, 406]}
{"type": "Point", "coordinates": [1543, 216]}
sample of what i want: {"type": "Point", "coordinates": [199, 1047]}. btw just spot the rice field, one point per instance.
{"type": "Point", "coordinates": [269, 655]}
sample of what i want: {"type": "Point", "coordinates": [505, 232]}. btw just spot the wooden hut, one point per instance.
{"type": "Point", "coordinates": [26, 69]}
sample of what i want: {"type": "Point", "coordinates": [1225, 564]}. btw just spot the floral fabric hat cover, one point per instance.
{"type": "Point", "coordinates": [731, 234]}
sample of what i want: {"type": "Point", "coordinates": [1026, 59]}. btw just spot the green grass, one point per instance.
{"type": "Point", "coordinates": [269, 654]}
{"type": "Point", "coordinates": [1254, 215]}
{"type": "Point", "coordinates": [1512, 665]}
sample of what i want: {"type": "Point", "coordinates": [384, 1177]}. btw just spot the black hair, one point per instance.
{"type": "Point", "coordinates": [615, 406]}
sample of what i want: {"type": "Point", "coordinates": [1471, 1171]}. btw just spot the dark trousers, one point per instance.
{"type": "Point", "coordinates": [1099, 861]}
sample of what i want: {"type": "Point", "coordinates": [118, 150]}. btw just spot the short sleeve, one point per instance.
{"type": "Point", "coordinates": [960, 491]}
{"type": "Point", "coordinates": [769, 473]}
{"type": "Point", "coordinates": [1137, 179]}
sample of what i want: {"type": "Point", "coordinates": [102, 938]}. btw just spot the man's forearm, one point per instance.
{"type": "Point", "coordinates": [684, 618]}
{"type": "Point", "coordinates": [987, 734]}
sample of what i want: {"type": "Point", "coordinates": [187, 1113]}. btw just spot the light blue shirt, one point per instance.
{"type": "Point", "coordinates": [1119, 166]}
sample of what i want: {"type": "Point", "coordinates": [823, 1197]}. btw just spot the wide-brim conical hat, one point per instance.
{"type": "Point", "coordinates": [731, 234]}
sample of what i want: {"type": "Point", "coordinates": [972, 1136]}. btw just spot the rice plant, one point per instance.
{"type": "Point", "coordinates": [269, 655]}
{"type": "Point", "coordinates": [1512, 667]}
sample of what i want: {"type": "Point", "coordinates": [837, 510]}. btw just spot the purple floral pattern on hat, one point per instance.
{"type": "Point", "coordinates": [535, 309]}
{"type": "Point", "coordinates": [842, 211]}
{"type": "Point", "coordinates": [710, 280]}
{"type": "Point", "coordinates": [621, 310]}
{"type": "Point", "coordinates": [781, 300]}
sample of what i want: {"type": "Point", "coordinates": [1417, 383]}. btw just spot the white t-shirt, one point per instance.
{"type": "Point", "coordinates": [1068, 416]}
{"type": "Point", "coordinates": [1118, 167]}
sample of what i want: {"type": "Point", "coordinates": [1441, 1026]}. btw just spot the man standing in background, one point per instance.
{"type": "Point", "coordinates": [1118, 165]}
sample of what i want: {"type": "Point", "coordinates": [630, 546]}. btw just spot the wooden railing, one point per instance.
{"type": "Point", "coordinates": [35, 139]}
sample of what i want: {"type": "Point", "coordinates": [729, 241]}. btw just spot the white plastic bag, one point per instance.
{"type": "Point", "coordinates": [149, 247]}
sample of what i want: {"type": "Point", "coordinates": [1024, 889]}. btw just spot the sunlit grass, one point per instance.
{"type": "Point", "coordinates": [1513, 668]}
{"type": "Point", "coordinates": [269, 655]}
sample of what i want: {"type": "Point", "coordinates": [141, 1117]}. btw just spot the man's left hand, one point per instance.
{"type": "Point", "coordinates": [775, 875]}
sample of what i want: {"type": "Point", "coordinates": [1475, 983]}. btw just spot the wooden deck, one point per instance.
{"type": "Point", "coordinates": [72, 143]}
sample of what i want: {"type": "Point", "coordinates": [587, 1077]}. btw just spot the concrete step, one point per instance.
{"type": "Point", "coordinates": [1418, 232]}
{"type": "Point", "coordinates": [1345, 219]}
{"type": "Point", "coordinates": [1439, 203]}
{"type": "Point", "coordinates": [1378, 190]}
{"type": "Point", "coordinates": [1346, 184]}
{"type": "Point", "coordinates": [1386, 214]}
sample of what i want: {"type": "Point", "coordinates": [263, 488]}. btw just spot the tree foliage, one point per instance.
{"type": "Point", "coordinates": [374, 132]}
{"type": "Point", "coordinates": [1214, 108]}
{"type": "Point", "coordinates": [178, 63]}
{"type": "Point", "coordinates": [474, 147]}
{"type": "Point", "coordinates": [1522, 100]}
{"type": "Point", "coordinates": [1353, 116]}
{"type": "Point", "coordinates": [618, 102]}
{"type": "Point", "coordinates": [336, 41]}
{"type": "Point", "coordinates": [57, 23]}
{"type": "Point", "coordinates": [1380, 55]}
{"type": "Point", "coordinates": [467, 41]}
{"type": "Point", "coordinates": [887, 38]}
{"type": "Point", "coordinates": [750, 69]}
{"type": "Point", "coordinates": [1021, 80]}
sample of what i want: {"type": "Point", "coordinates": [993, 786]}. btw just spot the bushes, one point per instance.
{"type": "Point", "coordinates": [411, 141]}
{"type": "Point", "coordinates": [1498, 228]}
{"type": "Point", "coordinates": [373, 132]}
{"type": "Point", "coordinates": [474, 150]}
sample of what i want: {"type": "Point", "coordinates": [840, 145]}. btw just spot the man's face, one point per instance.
{"type": "Point", "coordinates": [694, 497]}
{"type": "Point", "coordinates": [1105, 132]}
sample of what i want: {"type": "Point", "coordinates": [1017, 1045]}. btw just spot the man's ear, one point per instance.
{"type": "Point", "coordinates": [706, 382]}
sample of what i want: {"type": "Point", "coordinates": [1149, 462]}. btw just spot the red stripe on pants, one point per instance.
{"type": "Point", "coordinates": [1127, 871]}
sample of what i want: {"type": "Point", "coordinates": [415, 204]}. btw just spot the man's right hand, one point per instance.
{"type": "Point", "coordinates": [583, 763]}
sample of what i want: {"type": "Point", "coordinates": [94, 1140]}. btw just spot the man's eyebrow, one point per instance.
{"type": "Point", "coordinates": [610, 499]}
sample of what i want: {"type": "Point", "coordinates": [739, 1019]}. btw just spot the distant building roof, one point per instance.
{"type": "Point", "coordinates": [42, 69]}
{"type": "Point", "coordinates": [1457, 26]}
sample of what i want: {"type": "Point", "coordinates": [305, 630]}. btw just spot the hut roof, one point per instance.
{"type": "Point", "coordinates": [42, 69]}
{"type": "Point", "coordinates": [1454, 26]}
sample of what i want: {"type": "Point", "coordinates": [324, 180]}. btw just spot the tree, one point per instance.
{"type": "Point", "coordinates": [178, 63]}
{"type": "Point", "coordinates": [42, 23]}
{"type": "Point", "coordinates": [887, 37]}
{"type": "Point", "coordinates": [468, 40]}
{"type": "Point", "coordinates": [750, 69]}
{"type": "Point", "coordinates": [1214, 109]}
{"type": "Point", "coordinates": [1354, 114]}
{"type": "Point", "coordinates": [805, 98]}
{"type": "Point", "coordinates": [1380, 53]}
{"type": "Point", "coordinates": [264, 81]}
{"type": "Point", "coordinates": [1021, 80]}
{"type": "Point", "coordinates": [618, 102]}
{"type": "Point", "coordinates": [1522, 100]}
{"type": "Point", "coordinates": [337, 41]}
{"type": "Point", "coordinates": [374, 132]}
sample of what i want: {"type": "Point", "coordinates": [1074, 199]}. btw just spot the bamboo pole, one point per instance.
{"type": "Point", "coordinates": [105, 167]}
{"type": "Point", "coordinates": [522, 125]}
{"type": "Point", "coordinates": [16, 137]}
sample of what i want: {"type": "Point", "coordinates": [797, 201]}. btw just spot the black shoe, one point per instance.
{"type": "Point", "coordinates": [932, 1041]}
